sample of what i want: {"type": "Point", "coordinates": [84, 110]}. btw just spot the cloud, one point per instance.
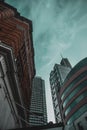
{"type": "Point", "coordinates": [55, 34]}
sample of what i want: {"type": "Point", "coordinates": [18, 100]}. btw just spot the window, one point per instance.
{"type": "Point", "coordinates": [75, 102]}
{"type": "Point", "coordinates": [19, 67]}
{"type": "Point", "coordinates": [79, 87]}
{"type": "Point", "coordinates": [23, 54]}
{"type": "Point", "coordinates": [73, 83]}
{"type": "Point", "coordinates": [80, 65]}
{"type": "Point", "coordinates": [86, 118]}
{"type": "Point", "coordinates": [77, 114]}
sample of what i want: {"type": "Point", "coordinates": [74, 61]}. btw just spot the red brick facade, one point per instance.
{"type": "Point", "coordinates": [16, 31]}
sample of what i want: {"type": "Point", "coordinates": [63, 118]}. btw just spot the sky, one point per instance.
{"type": "Point", "coordinates": [59, 27]}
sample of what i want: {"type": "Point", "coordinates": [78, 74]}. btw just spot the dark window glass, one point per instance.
{"type": "Point", "coordinates": [86, 118]}
{"type": "Point", "coordinates": [75, 102]}
{"type": "Point", "coordinates": [79, 87]}
{"type": "Point", "coordinates": [73, 83]}
{"type": "Point", "coordinates": [77, 114]}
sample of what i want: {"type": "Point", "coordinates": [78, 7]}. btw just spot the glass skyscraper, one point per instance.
{"type": "Point", "coordinates": [57, 77]}
{"type": "Point", "coordinates": [38, 110]}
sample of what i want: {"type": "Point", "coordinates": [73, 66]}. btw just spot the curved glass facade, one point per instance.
{"type": "Point", "coordinates": [76, 90]}
{"type": "Point", "coordinates": [76, 68]}
{"type": "Point", "coordinates": [74, 95]}
{"type": "Point", "coordinates": [77, 79]}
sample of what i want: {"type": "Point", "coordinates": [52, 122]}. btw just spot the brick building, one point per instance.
{"type": "Point", "coordinates": [16, 35]}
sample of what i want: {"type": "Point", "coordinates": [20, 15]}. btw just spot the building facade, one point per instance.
{"type": "Point", "coordinates": [73, 97]}
{"type": "Point", "coordinates": [57, 77]}
{"type": "Point", "coordinates": [9, 92]}
{"type": "Point", "coordinates": [38, 110]}
{"type": "Point", "coordinates": [17, 55]}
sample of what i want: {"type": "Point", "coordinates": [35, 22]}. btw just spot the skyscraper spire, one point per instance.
{"type": "Point", "coordinates": [61, 55]}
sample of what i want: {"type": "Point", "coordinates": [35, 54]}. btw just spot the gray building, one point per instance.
{"type": "Point", "coordinates": [9, 91]}
{"type": "Point", "coordinates": [57, 77]}
{"type": "Point", "coordinates": [38, 110]}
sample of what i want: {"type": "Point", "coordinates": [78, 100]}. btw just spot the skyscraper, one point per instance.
{"type": "Point", "coordinates": [17, 56]}
{"type": "Point", "coordinates": [65, 62]}
{"type": "Point", "coordinates": [57, 77]}
{"type": "Point", "coordinates": [38, 110]}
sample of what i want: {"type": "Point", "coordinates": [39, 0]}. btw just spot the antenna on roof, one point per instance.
{"type": "Point", "coordinates": [61, 55]}
{"type": "Point", "coordinates": [63, 59]}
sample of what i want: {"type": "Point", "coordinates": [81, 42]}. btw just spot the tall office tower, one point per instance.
{"type": "Point", "coordinates": [73, 97]}
{"type": "Point", "coordinates": [65, 62]}
{"type": "Point", "coordinates": [17, 56]}
{"type": "Point", "coordinates": [38, 110]}
{"type": "Point", "coordinates": [57, 77]}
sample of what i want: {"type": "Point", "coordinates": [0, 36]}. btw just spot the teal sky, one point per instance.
{"type": "Point", "coordinates": [59, 27]}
